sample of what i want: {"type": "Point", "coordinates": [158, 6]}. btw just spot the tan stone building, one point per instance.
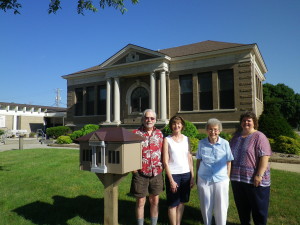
{"type": "Point", "coordinates": [197, 81]}
{"type": "Point", "coordinates": [23, 118]}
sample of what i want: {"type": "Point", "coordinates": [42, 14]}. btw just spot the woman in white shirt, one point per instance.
{"type": "Point", "coordinates": [178, 165]}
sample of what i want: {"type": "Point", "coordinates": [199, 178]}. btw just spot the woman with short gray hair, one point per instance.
{"type": "Point", "coordinates": [213, 170]}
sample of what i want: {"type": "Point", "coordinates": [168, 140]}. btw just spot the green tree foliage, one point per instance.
{"type": "Point", "coordinates": [55, 132]}
{"type": "Point", "coordinates": [285, 100]}
{"type": "Point", "coordinates": [273, 124]}
{"type": "Point", "coordinates": [82, 5]}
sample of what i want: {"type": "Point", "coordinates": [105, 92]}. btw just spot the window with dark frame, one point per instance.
{"type": "Point", "coordinates": [78, 101]}
{"type": "Point", "coordinates": [186, 92]}
{"type": "Point", "coordinates": [205, 91]}
{"type": "Point", "coordinates": [139, 99]}
{"type": "Point", "coordinates": [114, 157]}
{"type": "Point", "coordinates": [101, 107]}
{"type": "Point", "coordinates": [90, 100]}
{"type": "Point", "coordinates": [226, 89]}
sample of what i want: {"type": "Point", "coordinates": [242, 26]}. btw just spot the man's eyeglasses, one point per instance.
{"type": "Point", "coordinates": [149, 118]}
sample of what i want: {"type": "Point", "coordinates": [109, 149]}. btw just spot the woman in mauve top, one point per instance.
{"type": "Point", "coordinates": [250, 171]}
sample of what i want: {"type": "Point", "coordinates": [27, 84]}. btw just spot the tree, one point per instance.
{"type": "Point", "coordinates": [273, 124]}
{"type": "Point", "coordinates": [82, 5]}
{"type": "Point", "coordinates": [285, 100]}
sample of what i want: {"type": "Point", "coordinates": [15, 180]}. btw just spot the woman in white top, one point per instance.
{"type": "Point", "coordinates": [178, 165]}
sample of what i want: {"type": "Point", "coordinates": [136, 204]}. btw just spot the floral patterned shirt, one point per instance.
{"type": "Point", "coordinates": [151, 151]}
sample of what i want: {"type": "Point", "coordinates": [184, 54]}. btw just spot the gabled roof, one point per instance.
{"type": "Point", "coordinates": [199, 47]}
{"type": "Point", "coordinates": [111, 134]}
{"type": "Point", "coordinates": [184, 50]}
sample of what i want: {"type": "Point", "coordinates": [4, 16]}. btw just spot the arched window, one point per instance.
{"type": "Point", "coordinates": [139, 99]}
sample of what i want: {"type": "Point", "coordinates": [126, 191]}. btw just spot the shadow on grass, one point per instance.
{"type": "Point", "coordinates": [91, 210]}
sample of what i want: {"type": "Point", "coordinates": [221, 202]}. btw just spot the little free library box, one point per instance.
{"type": "Point", "coordinates": [110, 150]}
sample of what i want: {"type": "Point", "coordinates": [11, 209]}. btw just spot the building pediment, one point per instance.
{"type": "Point", "coordinates": [130, 54]}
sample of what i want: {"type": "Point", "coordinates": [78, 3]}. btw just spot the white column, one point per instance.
{"type": "Point", "coordinates": [117, 101]}
{"type": "Point", "coordinates": [108, 102]}
{"type": "Point", "coordinates": [152, 91]}
{"type": "Point", "coordinates": [163, 96]}
{"type": "Point", "coordinates": [15, 122]}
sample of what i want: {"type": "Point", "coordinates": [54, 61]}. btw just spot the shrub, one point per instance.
{"type": "Point", "coordinates": [32, 134]}
{"type": "Point", "coordinates": [272, 143]}
{"type": "Point", "coordinates": [57, 131]}
{"type": "Point", "coordinates": [88, 128]}
{"type": "Point", "coordinates": [2, 132]}
{"type": "Point", "coordinates": [226, 136]}
{"type": "Point", "coordinates": [287, 145]}
{"type": "Point", "coordinates": [194, 144]}
{"type": "Point", "coordinates": [76, 134]}
{"type": "Point", "coordinates": [274, 125]}
{"type": "Point", "coordinates": [190, 130]}
{"type": "Point", "coordinates": [201, 136]}
{"type": "Point", "coordinates": [64, 140]}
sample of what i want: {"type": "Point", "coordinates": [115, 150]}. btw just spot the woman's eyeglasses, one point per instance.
{"type": "Point", "coordinates": [213, 130]}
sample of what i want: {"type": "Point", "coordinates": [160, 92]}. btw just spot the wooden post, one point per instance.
{"type": "Point", "coordinates": [111, 182]}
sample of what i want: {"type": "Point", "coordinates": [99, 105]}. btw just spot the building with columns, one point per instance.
{"type": "Point", "coordinates": [196, 81]}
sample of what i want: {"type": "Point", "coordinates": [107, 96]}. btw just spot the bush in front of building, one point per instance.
{"type": "Point", "coordinates": [190, 130]}
{"type": "Point", "coordinates": [32, 134]}
{"type": "Point", "coordinates": [55, 132]}
{"type": "Point", "coordinates": [88, 128]}
{"type": "Point", "coordinates": [1, 132]}
{"type": "Point", "coordinates": [273, 125]}
{"type": "Point", "coordinates": [64, 140]}
{"type": "Point", "coordinates": [201, 136]}
{"type": "Point", "coordinates": [76, 134]}
{"type": "Point", "coordinates": [194, 144]}
{"type": "Point", "coordinates": [287, 145]}
{"type": "Point", "coordinates": [226, 136]}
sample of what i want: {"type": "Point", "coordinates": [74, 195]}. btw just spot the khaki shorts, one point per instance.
{"type": "Point", "coordinates": [142, 185]}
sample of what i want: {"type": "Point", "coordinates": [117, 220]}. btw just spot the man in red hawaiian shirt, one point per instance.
{"type": "Point", "coordinates": [149, 179]}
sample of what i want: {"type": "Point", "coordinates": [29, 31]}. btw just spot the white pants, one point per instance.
{"type": "Point", "coordinates": [214, 198]}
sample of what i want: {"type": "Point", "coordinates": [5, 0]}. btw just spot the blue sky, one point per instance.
{"type": "Point", "coordinates": [38, 48]}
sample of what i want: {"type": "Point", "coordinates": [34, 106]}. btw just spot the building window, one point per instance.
{"type": "Point", "coordinates": [90, 100]}
{"type": "Point", "coordinates": [101, 108]}
{"type": "Point", "coordinates": [78, 102]}
{"type": "Point", "coordinates": [139, 99]}
{"type": "Point", "coordinates": [186, 93]}
{"type": "Point", "coordinates": [226, 89]}
{"type": "Point", "coordinates": [87, 155]}
{"type": "Point", "coordinates": [258, 89]}
{"type": "Point", "coordinates": [114, 157]}
{"type": "Point", "coordinates": [205, 91]}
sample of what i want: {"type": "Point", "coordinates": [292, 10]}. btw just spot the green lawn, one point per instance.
{"type": "Point", "coordinates": [45, 186]}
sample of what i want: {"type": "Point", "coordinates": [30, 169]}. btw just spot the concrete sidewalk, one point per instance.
{"type": "Point", "coordinates": [15, 146]}
{"type": "Point", "coordinates": [286, 166]}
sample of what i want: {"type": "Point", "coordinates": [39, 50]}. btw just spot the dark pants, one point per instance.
{"type": "Point", "coordinates": [250, 199]}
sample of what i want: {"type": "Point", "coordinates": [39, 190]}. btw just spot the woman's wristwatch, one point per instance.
{"type": "Point", "coordinates": [259, 175]}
